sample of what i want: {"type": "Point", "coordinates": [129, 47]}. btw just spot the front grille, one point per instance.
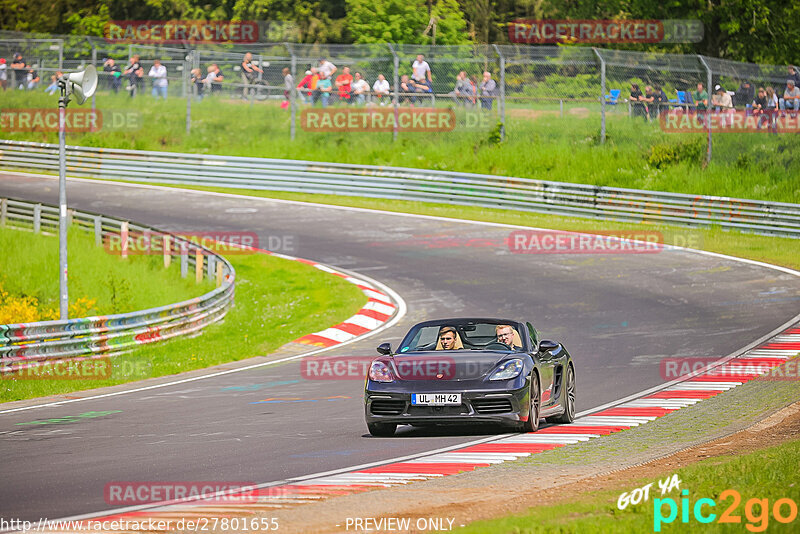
{"type": "Point", "coordinates": [438, 410]}
{"type": "Point", "coordinates": [492, 405]}
{"type": "Point", "coordinates": [387, 407]}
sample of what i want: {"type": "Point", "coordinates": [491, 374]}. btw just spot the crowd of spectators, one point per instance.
{"type": "Point", "coordinates": [320, 85]}
{"type": "Point", "coordinates": [763, 100]}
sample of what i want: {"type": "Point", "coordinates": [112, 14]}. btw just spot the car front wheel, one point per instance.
{"type": "Point", "coordinates": [569, 401]}
{"type": "Point", "coordinates": [532, 424]}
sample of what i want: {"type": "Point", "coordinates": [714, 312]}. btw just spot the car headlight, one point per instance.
{"type": "Point", "coordinates": [380, 372]}
{"type": "Point", "coordinates": [507, 370]}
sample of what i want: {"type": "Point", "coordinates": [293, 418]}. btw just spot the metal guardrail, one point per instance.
{"type": "Point", "coordinates": [26, 344]}
{"type": "Point", "coordinates": [558, 198]}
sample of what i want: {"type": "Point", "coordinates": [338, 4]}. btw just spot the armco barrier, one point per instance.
{"type": "Point", "coordinates": [770, 218]}
{"type": "Point", "coordinates": [23, 345]}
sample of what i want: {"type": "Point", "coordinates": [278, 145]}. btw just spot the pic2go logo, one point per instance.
{"type": "Point", "coordinates": [757, 511]}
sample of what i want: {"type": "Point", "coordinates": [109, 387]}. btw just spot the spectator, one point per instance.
{"type": "Point", "coordinates": [114, 74]}
{"type": "Point", "coordinates": [18, 71]}
{"type": "Point", "coordinates": [649, 100]}
{"type": "Point", "coordinates": [53, 87]}
{"type": "Point", "coordinates": [197, 82]}
{"type": "Point", "coordinates": [308, 86]}
{"type": "Point", "coordinates": [794, 75]}
{"type": "Point", "coordinates": [216, 82]}
{"type": "Point", "coordinates": [324, 89]}
{"type": "Point", "coordinates": [135, 72]}
{"type": "Point", "coordinates": [759, 104]}
{"type": "Point", "coordinates": [249, 70]}
{"type": "Point", "coordinates": [421, 72]}
{"type": "Point", "coordinates": [471, 91]}
{"type": "Point", "coordinates": [460, 88]}
{"type": "Point", "coordinates": [381, 88]}
{"type": "Point", "coordinates": [700, 98]}
{"type": "Point", "coordinates": [3, 73]}
{"type": "Point", "coordinates": [772, 100]}
{"type": "Point", "coordinates": [344, 84]}
{"type": "Point", "coordinates": [327, 67]}
{"type": "Point", "coordinates": [791, 97]}
{"type": "Point", "coordinates": [488, 91]}
{"type": "Point", "coordinates": [722, 103]}
{"type": "Point", "coordinates": [406, 89]}
{"type": "Point", "coordinates": [638, 106]}
{"type": "Point", "coordinates": [158, 73]}
{"type": "Point", "coordinates": [360, 89]}
{"type": "Point", "coordinates": [31, 79]}
{"type": "Point", "coordinates": [744, 95]}
{"type": "Point", "coordinates": [660, 101]}
{"type": "Point", "coordinates": [288, 83]}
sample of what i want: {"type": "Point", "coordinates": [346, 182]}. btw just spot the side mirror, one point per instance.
{"type": "Point", "coordinates": [385, 349]}
{"type": "Point", "coordinates": [546, 345]}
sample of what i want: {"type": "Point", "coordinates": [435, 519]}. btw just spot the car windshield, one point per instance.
{"type": "Point", "coordinates": [501, 336]}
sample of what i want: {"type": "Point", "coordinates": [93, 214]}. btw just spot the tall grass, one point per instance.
{"type": "Point", "coordinates": [540, 144]}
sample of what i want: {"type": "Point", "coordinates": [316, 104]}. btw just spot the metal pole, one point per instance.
{"type": "Point", "coordinates": [602, 96]}
{"type": "Point", "coordinates": [293, 93]}
{"type": "Point", "coordinates": [396, 89]}
{"type": "Point", "coordinates": [708, 106]}
{"type": "Point", "coordinates": [188, 93]}
{"type": "Point", "coordinates": [502, 102]}
{"type": "Point", "coordinates": [62, 202]}
{"type": "Point", "coordinates": [61, 55]}
{"type": "Point", "coordinates": [94, 62]}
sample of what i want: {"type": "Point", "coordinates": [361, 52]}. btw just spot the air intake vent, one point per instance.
{"type": "Point", "coordinates": [387, 407]}
{"type": "Point", "coordinates": [492, 405]}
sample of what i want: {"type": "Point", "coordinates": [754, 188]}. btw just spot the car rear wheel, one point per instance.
{"type": "Point", "coordinates": [532, 424]}
{"type": "Point", "coordinates": [383, 430]}
{"type": "Point", "coordinates": [569, 401]}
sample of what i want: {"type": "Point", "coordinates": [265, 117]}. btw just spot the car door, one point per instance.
{"type": "Point", "coordinates": [547, 363]}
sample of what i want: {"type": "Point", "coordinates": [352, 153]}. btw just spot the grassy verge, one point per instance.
{"type": "Point", "coordinates": [769, 474]}
{"type": "Point", "coordinates": [540, 144]}
{"type": "Point", "coordinates": [276, 301]}
{"type": "Point", "coordinates": [775, 250]}
{"type": "Point", "coordinates": [29, 267]}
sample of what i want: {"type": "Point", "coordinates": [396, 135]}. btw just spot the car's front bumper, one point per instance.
{"type": "Point", "coordinates": [509, 407]}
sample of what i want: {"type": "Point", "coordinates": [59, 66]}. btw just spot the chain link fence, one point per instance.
{"type": "Point", "coordinates": [537, 92]}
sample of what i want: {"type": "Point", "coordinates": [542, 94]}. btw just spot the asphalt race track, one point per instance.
{"type": "Point", "coordinates": [618, 314]}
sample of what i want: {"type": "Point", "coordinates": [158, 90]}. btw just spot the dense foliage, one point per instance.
{"type": "Point", "coordinates": [764, 31]}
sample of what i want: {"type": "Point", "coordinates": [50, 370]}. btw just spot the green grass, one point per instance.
{"type": "Point", "coordinates": [29, 266]}
{"type": "Point", "coordinates": [540, 144]}
{"type": "Point", "coordinates": [276, 302]}
{"type": "Point", "coordinates": [767, 474]}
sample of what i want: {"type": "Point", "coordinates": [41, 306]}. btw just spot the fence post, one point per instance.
{"type": "Point", "coordinates": [211, 267]}
{"type": "Point", "coordinates": [3, 211]}
{"type": "Point", "coordinates": [502, 100]}
{"type": "Point", "coordinates": [184, 252]}
{"type": "Point", "coordinates": [94, 62]}
{"type": "Point", "coordinates": [396, 101]}
{"type": "Point", "coordinates": [167, 247]}
{"type": "Point", "coordinates": [37, 218]}
{"type": "Point", "coordinates": [198, 265]}
{"type": "Point", "coordinates": [186, 78]}
{"type": "Point", "coordinates": [708, 107]}
{"type": "Point", "coordinates": [123, 237]}
{"type": "Point", "coordinates": [219, 274]}
{"type": "Point", "coordinates": [293, 92]}
{"type": "Point", "coordinates": [61, 55]}
{"type": "Point", "coordinates": [98, 230]}
{"type": "Point", "coordinates": [602, 96]}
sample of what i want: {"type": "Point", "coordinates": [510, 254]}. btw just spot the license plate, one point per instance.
{"type": "Point", "coordinates": [436, 399]}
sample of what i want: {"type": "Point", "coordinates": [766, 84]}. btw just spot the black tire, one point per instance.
{"type": "Point", "coordinates": [569, 401]}
{"type": "Point", "coordinates": [535, 399]}
{"type": "Point", "coordinates": [382, 430]}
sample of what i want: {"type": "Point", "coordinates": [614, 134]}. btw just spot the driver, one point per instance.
{"type": "Point", "coordinates": [507, 335]}
{"type": "Point", "coordinates": [447, 338]}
